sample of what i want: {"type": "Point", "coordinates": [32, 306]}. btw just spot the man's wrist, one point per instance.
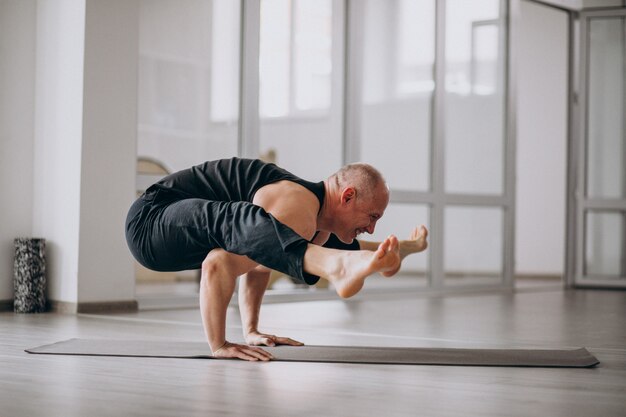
{"type": "Point", "coordinates": [250, 330]}
{"type": "Point", "coordinates": [221, 346]}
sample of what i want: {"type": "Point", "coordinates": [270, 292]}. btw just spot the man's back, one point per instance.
{"type": "Point", "coordinates": [234, 179]}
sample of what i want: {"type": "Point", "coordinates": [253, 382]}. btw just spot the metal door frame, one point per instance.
{"type": "Point", "coordinates": [578, 202]}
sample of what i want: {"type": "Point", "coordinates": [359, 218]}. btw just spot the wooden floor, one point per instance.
{"type": "Point", "coordinates": [40, 385]}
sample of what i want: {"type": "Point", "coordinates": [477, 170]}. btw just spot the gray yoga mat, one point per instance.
{"type": "Point", "coordinates": [576, 358]}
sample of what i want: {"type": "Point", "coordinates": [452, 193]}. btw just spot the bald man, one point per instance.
{"type": "Point", "coordinates": [244, 217]}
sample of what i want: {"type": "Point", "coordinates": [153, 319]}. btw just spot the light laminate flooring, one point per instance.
{"type": "Point", "coordinates": [67, 386]}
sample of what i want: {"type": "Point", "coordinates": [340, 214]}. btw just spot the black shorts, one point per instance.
{"type": "Point", "coordinates": [173, 234]}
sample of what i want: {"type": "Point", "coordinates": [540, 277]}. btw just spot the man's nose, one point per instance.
{"type": "Point", "coordinates": [370, 228]}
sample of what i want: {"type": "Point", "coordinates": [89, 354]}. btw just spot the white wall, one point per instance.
{"type": "Point", "coordinates": [108, 154]}
{"type": "Point", "coordinates": [541, 140]}
{"type": "Point", "coordinates": [17, 75]}
{"type": "Point", "coordinates": [58, 136]}
{"type": "Point", "coordinates": [68, 141]}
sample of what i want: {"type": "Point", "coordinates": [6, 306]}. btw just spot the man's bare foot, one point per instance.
{"type": "Point", "coordinates": [354, 266]}
{"type": "Point", "coordinates": [416, 243]}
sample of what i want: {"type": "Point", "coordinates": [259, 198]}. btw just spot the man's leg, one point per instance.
{"type": "Point", "coordinates": [184, 231]}
{"type": "Point", "coordinates": [347, 269]}
{"type": "Point", "coordinates": [417, 242]}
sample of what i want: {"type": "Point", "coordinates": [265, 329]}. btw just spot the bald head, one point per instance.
{"type": "Point", "coordinates": [366, 179]}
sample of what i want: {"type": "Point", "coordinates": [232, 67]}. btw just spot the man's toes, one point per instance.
{"type": "Point", "coordinates": [394, 244]}
{"type": "Point", "coordinates": [384, 246]}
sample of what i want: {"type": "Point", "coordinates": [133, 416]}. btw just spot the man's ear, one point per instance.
{"type": "Point", "coordinates": [347, 195]}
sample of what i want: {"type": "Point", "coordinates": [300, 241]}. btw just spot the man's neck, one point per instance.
{"type": "Point", "coordinates": [326, 214]}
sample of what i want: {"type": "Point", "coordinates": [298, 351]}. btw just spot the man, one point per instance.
{"type": "Point", "coordinates": [243, 217]}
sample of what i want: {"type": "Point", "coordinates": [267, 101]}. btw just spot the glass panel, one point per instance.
{"type": "Point", "coordinates": [188, 81]}
{"type": "Point", "coordinates": [400, 220]}
{"type": "Point", "coordinates": [605, 250]}
{"type": "Point", "coordinates": [188, 99]}
{"type": "Point", "coordinates": [606, 115]}
{"type": "Point", "coordinates": [397, 89]}
{"type": "Point", "coordinates": [301, 85]}
{"type": "Point", "coordinates": [474, 97]}
{"type": "Point", "coordinates": [473, 248]}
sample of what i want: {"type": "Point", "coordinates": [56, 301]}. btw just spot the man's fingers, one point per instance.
{"type": "Point", "coordinates": [288, 341]}
{"type": "Point", "coordinates": [245, 356]}
{"type": "Point", "coordinates": [244, 352]}
{"type": "Point", "coordinates": [263, 341]}
{"type": "Point", "coordinates": [254, 352]}
{"type": "Point", "coordinates": [271, 340]}
{"type": "Point", "coordinates": [267, 341]}
{"type": "Point", "coordinates": [258, 354]}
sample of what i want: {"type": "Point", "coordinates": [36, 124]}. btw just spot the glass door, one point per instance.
{"type": "Point", "coordinates": [600, 194]}
{"type": "Point", "coordinates": [300, 71]}
{"type": "Point", "coordinates": [428, 104]}
{"type": "Point", "coordinates": [188, 99]}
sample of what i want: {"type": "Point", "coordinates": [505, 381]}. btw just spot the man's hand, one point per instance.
{"type": "Point", "coordinates": [262, 339]}
{"type": "Point", "coordinates": [247, 353]}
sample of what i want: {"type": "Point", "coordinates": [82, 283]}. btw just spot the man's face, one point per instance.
{"type": "Point", "coordinates": [360, 214]}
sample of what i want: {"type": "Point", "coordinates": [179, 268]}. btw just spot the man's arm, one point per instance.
{"type": "Point", "coordinates": [252, 287]}
{"type": "Point", "coordinates": [219, 272]}
{"type": "Point", "coordinates": [250, 293]}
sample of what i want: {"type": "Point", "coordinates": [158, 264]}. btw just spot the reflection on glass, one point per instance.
{"type": "Point", "coordinates": [188, 94]}
{"type": "Point", "coordinates": [312, 48]}
{"type": "Point", "coordinates": [295, 56]}
{"type": "Point", "coordinates": [474, 97]}
{"type": "Point", "coordinates": [607, 108]}
{"type": "Point", "coordinates": [605, 249]}
{"type": "Point", "coordinates": [225, 61]}
{"type": "Point", "coordinates": [473, 245]}
{"type": "Point", "coordinates": [483, 78]}
{"type": "Point", "coordinates": [398, 53]}
{"type": "Point", "coordinates": [301, 85]}
{"type": "Point", "coordinates": [274, 58]}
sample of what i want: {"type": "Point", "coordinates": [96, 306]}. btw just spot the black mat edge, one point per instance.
{"type": "Point", "coordinates": [592, 360]}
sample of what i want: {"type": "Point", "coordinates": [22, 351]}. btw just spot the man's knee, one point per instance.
{"type": "Point", "coordinates": [211, 266]}
{"type": "Point", "coordinates": [262, 269]}
{"type": "Point", "coordinates": [221, 263]}
{"type": "Point", "coordinates": [216, 263]}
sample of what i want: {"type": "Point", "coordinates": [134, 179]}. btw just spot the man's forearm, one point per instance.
{"type": "Point", "coordinates": [214, 298]}
{"type": "Point", "coordinates": [252, 287]}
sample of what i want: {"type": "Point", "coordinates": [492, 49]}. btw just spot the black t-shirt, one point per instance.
{"type": "Point", "coordinates": [234, 179]}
